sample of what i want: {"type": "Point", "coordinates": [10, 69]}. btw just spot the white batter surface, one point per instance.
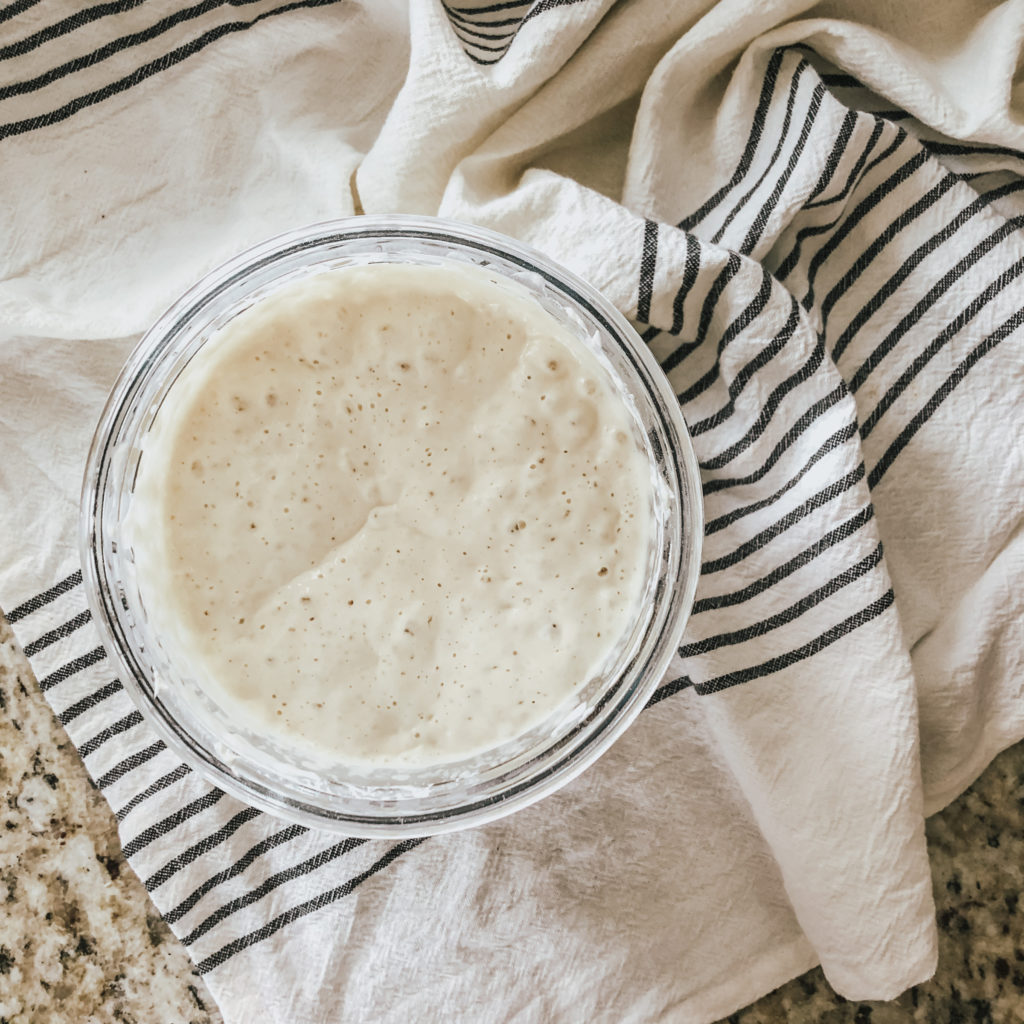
{"type": "Point", "coordinates": [395, 514]}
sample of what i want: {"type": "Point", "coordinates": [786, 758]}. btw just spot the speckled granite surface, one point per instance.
{"type": "Point", "coordinates": [80, 941]}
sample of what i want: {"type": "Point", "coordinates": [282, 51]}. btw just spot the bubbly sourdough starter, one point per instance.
{"type": "Point", "coordinates": [394, 515]}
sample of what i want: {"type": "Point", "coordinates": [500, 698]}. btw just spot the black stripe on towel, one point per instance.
{"type": "Point", "coordinates": [729, 270]}
{"type": "Point", "coordinates": [18, 7]}
{"type": "Point", "coordinates": [811, 415]}
{"type": "Point", "coordinates": [753, 236]}
{"type": "Point", "coordinates": [669, 690]}
{"type": "Point", "coordinates": [780, 526]}
{"type": "Point", "coordinates": [540, 6]}
{"type": "Point", "coordinates": [461, 19]}
{"type": "Point", "coordinates": [60, 28]}
{"type": "Point", "coordinates": [90, 701]}
{"type": "Point", "coordinates": [90, 746]}
{"type": "Point", "coordinates": [860, 211]}
{"type": "Point", "coordinates": [171, 822]}
{"type": "Point", "coordinates": [785, 268]}
{"type": "Point", "coordinates": [964, 317]}
{"type": "Point", "coordinates": [839, 147]}
{"type": "Point", "coordinates": [151, 68]}
{"type": "Point", "coordinates": [691, 268]}
{"type": "Point", "coordinates": [859, 168]}
{"type": "Point", "coordinates": [787, 615]}
{"type": "Point", "coordinates": [808, 650]}
{"type": "Point", "coordinates": [962, 149]}
{"type": "Point", "coordinates": [33, 604]}
{"type": "Point", "coordinates": [948, 386]}
{"type": "Point", "coordinates": [508, 5]}
{"type": "Point", "coordinates": [648, 263]}
{"type": "Point", "coordinates": [249, 857]}
{"type": "Point", "coordinates": [62, 631]}
{"type": "Point", "coordinates": [837, 440]}
{"type": "Point", "coordinates": [915, 259]}
{"type": "Point", "coordinates": [829, 540]}
{"type": "Point", "coordinates": [753, 138]}
{"type": "Point", "coordinates": [129, 764]}
{"type": "Point", "coordinates": [768, 410]}
{"type": "Point", "coordinates": [207, 843]}
{"type": "Point", "coordinates": [794, 87]}
{"type": "Point", "coordinates": [839, 80]}
{"type": "Point", "coordinates": [742, 321]}
{"type": "Point", "coordinates": [323, 900]}
{"type": "Point", "coordinates": [164, 782]}
{"type": "Point", "coordinates": [942, 287]}
{"type": "Point", "coordinates": [93, 657]}
{"type": "Point", "coordinates": [115, 46]}
{"type": "Point", "coordinates": [742, 378]}
{"type": "Point", "coordinates": [465, 22]}
{"type": "Point", "coordinates": [270, 884]}
{"type": "Point", "coordinates": [880, 241]}
{"type": "Point", "coordinates": [462, 31]}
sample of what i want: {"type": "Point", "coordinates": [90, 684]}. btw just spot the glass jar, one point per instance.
{"type": "Point", "coordinates": [411, 802]}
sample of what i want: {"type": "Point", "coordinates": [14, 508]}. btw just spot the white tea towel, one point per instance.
{"type": "Point", "coordinates": [812, 211]}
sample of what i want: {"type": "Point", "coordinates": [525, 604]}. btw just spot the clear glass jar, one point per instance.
{"type": "Point", "coordinates": [446, 797]}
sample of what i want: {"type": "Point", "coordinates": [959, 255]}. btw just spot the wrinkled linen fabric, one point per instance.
{"type": "Point", "coordinates": [812, 213]}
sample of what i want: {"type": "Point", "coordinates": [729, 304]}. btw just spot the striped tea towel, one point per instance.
{"type": "Point", "coordinates": [813, 214]}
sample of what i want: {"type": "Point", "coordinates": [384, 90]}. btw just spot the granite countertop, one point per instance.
{"type": "Point", "coordinates": [81, 942]}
